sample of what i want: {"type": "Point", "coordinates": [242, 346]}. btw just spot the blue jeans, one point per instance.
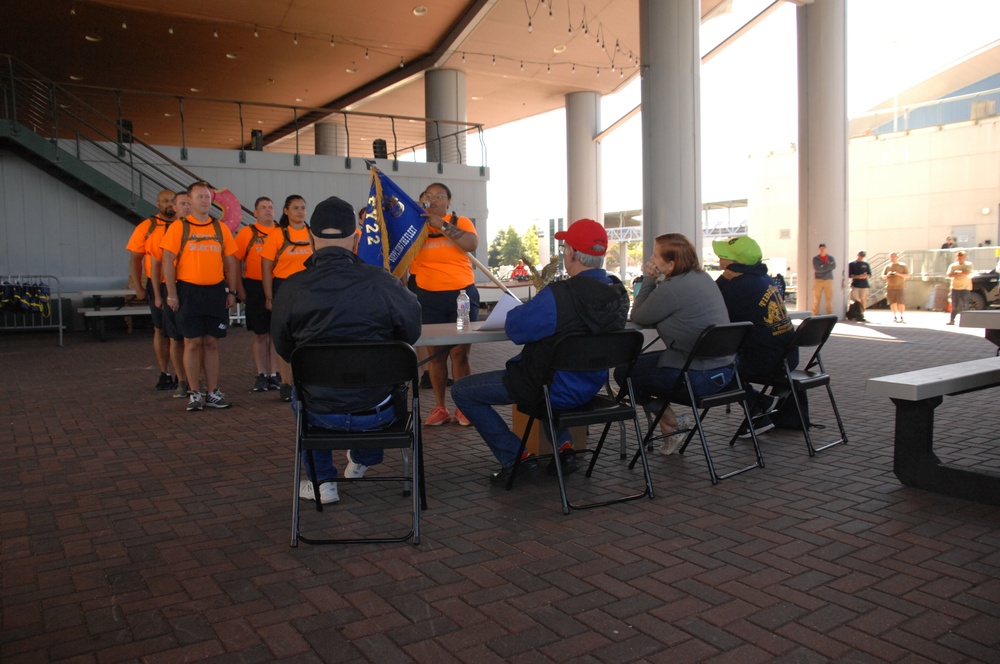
{"type": "Point", "coordinates": [647, 375]}
{"type": "Point", "coordinates": [475, 395]}
{"type": "Point", "coordinates": [323, 459]}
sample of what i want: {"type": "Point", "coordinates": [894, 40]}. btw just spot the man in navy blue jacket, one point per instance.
{"type": "Point", "coordinates": [592, 301]}
{"type": "Point", "coordinates": [751, 295]}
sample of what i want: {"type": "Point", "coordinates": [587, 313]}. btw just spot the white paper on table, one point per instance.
{"type": "Point", "coordinates": [497, 317]}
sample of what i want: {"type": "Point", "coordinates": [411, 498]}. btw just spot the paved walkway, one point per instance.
{"type": "Point", "coordinates": [132, 530]}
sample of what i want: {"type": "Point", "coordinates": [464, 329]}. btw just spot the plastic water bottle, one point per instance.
{"type": "Point", "coordinates": [463, 307]}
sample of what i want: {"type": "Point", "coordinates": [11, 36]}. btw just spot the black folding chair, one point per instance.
{"type": "Point", "coordinates": [715, 341]}
{"type": "Point", "coordinates": [811, 333]}
{"type": "Point", "coordinates": [590, 352]}
{"type": "Point", "coordinates": [355, 365]}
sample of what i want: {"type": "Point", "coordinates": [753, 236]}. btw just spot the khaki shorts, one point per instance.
{"type": "Point", "coordinates": [895, 296]}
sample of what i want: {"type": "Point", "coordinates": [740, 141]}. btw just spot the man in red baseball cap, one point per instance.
{"type": "Point", "coordinates": [591, 300]}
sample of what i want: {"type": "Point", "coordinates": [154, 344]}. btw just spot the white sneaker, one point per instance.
{"type": "Point", "coordinates": [354, 470]}
{"type": "Point", "coordinates": [327, 492]}
{"type": "Point", "coordinates": [673, 443]}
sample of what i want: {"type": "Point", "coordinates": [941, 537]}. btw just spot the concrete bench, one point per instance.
{"type": "Point", "coordinates": [916, 394]}
{"type": "Point", "coordinates": [98, 316]}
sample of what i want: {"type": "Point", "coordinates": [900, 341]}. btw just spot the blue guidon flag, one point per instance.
{"type": "Point", "coordinates": [394, 226]}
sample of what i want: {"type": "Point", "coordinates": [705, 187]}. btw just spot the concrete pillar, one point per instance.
{"type": "Point", "coordinates": [822, 148]}
{"type": "Point", "coordinates": [331, 139]}
{"type": "Point", "coordinates": [671, 125]}
{"type": "Point", "coordinates": [583, 158]}
{"type": "Point", "coordinates": [444, 100]}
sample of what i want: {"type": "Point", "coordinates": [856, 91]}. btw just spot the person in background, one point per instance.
{"type": "Point", "coordinates": [895, 274]}
{"type": "Point", "coordinates": [285, 253]}
{"type": "Point", "coordinates": [440, 270]}
{"type": "Point", "coordinates": [591, 300]}
{"type": "Point", "coordinates": [339, 298]}
{"type": "Point", "coordinates": [520, 272]}
{"type": "Point", "coordinates": [145, 237]}
{"type": "Point", "coordinates": [249, 244]}
{"type": "Point", "coordinates": [680, 300]}
{"type": "Point", "coordinates": [823, 267]}
{"type": "Point", "coordinates": [960, 273]}
{"type": "Point", "coordinates": [202, 279]}
{"type": "Point", "coordinates": [859, 272]}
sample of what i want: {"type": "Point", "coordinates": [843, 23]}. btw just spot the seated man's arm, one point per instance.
{"type": "Point", "coordinates": [533, 320]}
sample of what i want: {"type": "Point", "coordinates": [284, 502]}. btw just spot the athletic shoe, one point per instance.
{"type": "Point", "coordinates": [438, 416]}
{"type": "Point", "coordinates": [285, 392]}
{"type": "Point", "coordinates": [327, 492]}
{"type": "Point", "coordinates": [567, 459]}
{"type": "Point", "coordinates": [195, 401]}
{"type": "Point", "coordinates": [260, 383]}
{"type": "Point", "coordinates": [672, 443]}
{"type": "Point", "coordinates": [762, 425]}
{"type": "Point", "coordinates": [166, 382]}
{"type": "Point", "coordinates": [216, 399]}
{"type": "Point", "coordinates": [951, 322]}
{"type": "Point", "coordinates": [461, 419]}
{"type": "Point", "coordinates": [354, 470]}
{"type": "Point", "coordinates": [274, 381]}
{"type": "Point", "coordinates": [528, 469]}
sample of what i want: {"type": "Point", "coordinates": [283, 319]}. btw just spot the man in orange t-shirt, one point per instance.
{"type": "Point", "coordinates": [146, 236]}
{"type": "Point", "coordinates": [442, 270]}
{"type": "Point", "coordinates": [199, 262]}
{"type": "Point", "coordinates": [249, 244]}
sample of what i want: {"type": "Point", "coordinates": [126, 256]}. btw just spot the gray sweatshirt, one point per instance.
{"type": "Point", "coordinates": [681, 307]}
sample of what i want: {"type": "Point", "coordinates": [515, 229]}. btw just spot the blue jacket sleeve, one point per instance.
{"type": "Point", "coordinates": [533, 320]}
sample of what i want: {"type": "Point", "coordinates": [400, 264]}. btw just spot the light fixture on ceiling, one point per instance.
{"type": "Point", "coordinates": [598, 72]}
{"type": "Point", "coordinates": [548, 69]}
{"type": "Point", "coordinates": [331, 41]}
{"type": "Point", "coordinates": [463, 56]}
{"type": "Point", "coordinates": [170, 30]}
{"type": "Point", "coordinates": [72, 10]}
{"type": "Point", "coordinates": [75, 77]}
{"type": "Point", "coordinates": [419, 10]}
{"type": "Point", "coordinates": [215, 33]}
{"type": "Point", "coordinates": [573, 70]}
{"type": "Point", "coordinates": [477, 98]}
{"type": "Point", "coordinates": [168, 115]}
{"type": "Point", "coordinates": [985, 210]}
{"type": "Point", "coordinates": [299, 99]}
{"type": "Point", "coordinates": [260, 122]}
{"type": "Point", "coordinates": [494, 60]}
{"type": "Point", "coordinates": [559, 48]}
{"type": "Point", "coordinates": [351, 70]}
{"type": "Point", "coordinates": [124, 24]}
{"type": "Point", "coordinates": [295, 39]}
{"type": "Point", "coordinates": [195, 89]}
{"type": "Point", "coordinates": [366, 54]}
{"type": "Point", "coordinates": [93, 38]}
{"type": "Point", "coordinates": [529, 26]}
{"type": "Point", "coordinates": [522, 65]}
{"type": "Point", "coordinates": [233, 56]}
{"type": "Point", "coordinates": [256, 33]}
{"type": "Point", "coordinates": [400, 62]}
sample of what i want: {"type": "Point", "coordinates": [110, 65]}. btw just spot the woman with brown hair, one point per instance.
{"type": "Point", "coordinates": [680, 300]}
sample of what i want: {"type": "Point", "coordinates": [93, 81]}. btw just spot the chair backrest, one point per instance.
{"type": "Point", "coordinates": [594, 352]}
{"type": "Point", "coordinates": [814, 331]}
{"type": "Point", "coordinates": [719, 341]}
{"type": "Point", "coordinates": [354, 364]}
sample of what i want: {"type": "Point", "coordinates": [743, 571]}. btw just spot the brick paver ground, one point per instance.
{"type": "Point", "coordinates": [132, 530]}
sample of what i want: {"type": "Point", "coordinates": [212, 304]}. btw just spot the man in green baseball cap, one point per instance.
{"type": "Point", "coordinates": [751, 295]}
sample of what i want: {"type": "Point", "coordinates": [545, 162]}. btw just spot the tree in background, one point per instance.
{"type": "Point", "coordinates": [530, 240]}
{"type": "Point", "coordinates": [634, 256]}
{"type": "Point", "coordinates": [507, 248]}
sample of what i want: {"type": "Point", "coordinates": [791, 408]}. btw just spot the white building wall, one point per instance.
{"type": "Point", "coordinates": [907, 191]}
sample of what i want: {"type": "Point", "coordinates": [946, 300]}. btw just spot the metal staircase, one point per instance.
{"type": "Point", "coordinates": [61, 134]}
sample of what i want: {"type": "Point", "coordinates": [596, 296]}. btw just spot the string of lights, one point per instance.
{"type": "Point", "coordinates": [614, 54]}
